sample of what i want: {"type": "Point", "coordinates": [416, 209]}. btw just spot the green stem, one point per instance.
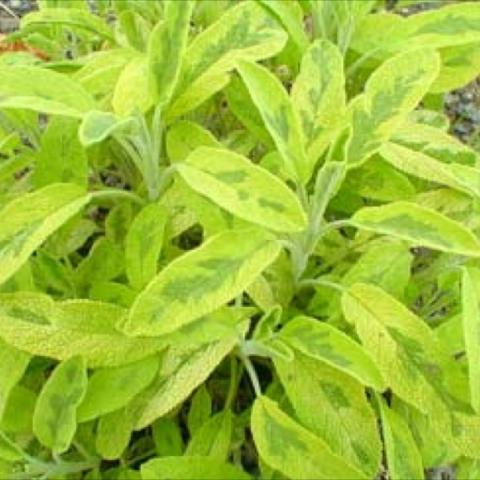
{"type": "Point", "coordinates": [234, 381]}
{"type": "Point", "coordinates": [251, 373]}
{"type": "Point", "coordinates": [316, 282]}
{"type": "Point", "coordinates": [117, 194]}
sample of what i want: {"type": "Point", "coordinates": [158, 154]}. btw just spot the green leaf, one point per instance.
{"type": "Point", "coordinates": [190, 468]}
{"type": "Point", "coordinates": [455, 175]}
{"type": "Point", "coordinates": [245, 31]}
{"type": "Point", "coordinates": [327, 183]}
{"type": "Point", "coordinates": [244, 189]}
{"type": "Point", "coordinates": [42, 90]}
{"type": "Point", "coordinates": [293, 450]}
{"type": "Point", "coordinates": [318, 95]}
{"type": "Point", "coordinates": [450, 26]}
{"type": "Point", "coordinates": [407, 352]}
{"type": "Point", "coordinates": [19, 411]}
{"type": "Point", "coordinates": [61, 157]}
{"type": "Point", "coordinates": [379, 181]}
{"type": "Point", "coordinates": [213, 438]}
{"type": "Point", "coordinates": [113, 434]}
{"type": "Point", "coordinates": [242, 106]}
{"type": "Point", "coordinates": [110, 389]}
{"type": "Point", "coordinates": [181, 372]}
{"type": "Point", "coordinates": [101, 69]}
{"type": "Point", "coordinates": [54, 419]}
{"type": "Point", "coordinates": [96, 126]}
{"type": "Point", "coordinates": [326, 343]}
{"type": "Point", "coordinates": [200, 409]}
{"type": "Point", "coordinates": [105, 261]}
{"type": "Point", "coordinates": [334, 407]}
{"type": "Point", "coordinates": [31, 219]}
{"type": "Point", "coordinates": [13, 364]}
{"type": "Point", "coordinates": [166, 49]}
{"type": "Point", "coordinates": [391, 93]}
{"type": "Point", "coordinates": [279, 116]}
{"type": "Point", "coordinates": [68, 17]}
{"type": "Point", "coordinates": [143, 245]}
{"type": "Point", "coordinates": [167, 437]}
{"type": "Point", "coordinates": [386, 264]}
{"type": "Point", "coordinates": [434, 142]}
{"type": "Point", "coordinates": [200, 281]}
{"type": "Point", "coordinates": [418, 225]}
{"type": "Point", "coordinates": [81, 327]}
{"type": "Point", "coordinates": [131, 93]}
{"type": "Point", "coordinates": [460, 66]}
{"type": "Point", "coordinates": [184, 137]}
{"type": "Point", "coordinates": [290, 14]}
{"type": "Point", "coordinates": [471, 329]}
{"type": "Point", "coordinates": [403, 458]}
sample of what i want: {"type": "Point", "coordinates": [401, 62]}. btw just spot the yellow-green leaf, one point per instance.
{"type": "Point", "coordinates": [244, 189]}
{"type": "Point", "coordinates": [13, 364]}
{"type": "Point", "coordinates": [280, 118]}
{"type": "Point", "coordinates": [190, 468]}
{"type": "Point", "coordinates": [42, 90]}
{"type": "Point", "coordinates": [318, 94]}
{"type": "Point", "coordinates": [131, 93]}
{"type": "Point", "coordinates": [471, 329]}
{"type": "Point", "coordinates": [143, 245]}
{"type": "Point", "coordinates": [463, 178]}
{"type": "Point", "coordinates": [54, 419]}
{"type": "Point", "coordinates": [286, 446]}
{"type": "Point", "coordinates": [166, 49]}
{"type": "Point", "coordinates": [245, 31]}
{"type": "Point", "coordinates": [334, 407]}
{"type": "Point", "coordinates": [31, 218]}
{"type": "Point", "coordinates": [391, 93]}
{"type": "Point", "coordinates": [34, 324]}
{"type": "Point", "coordinates": [420, 226]}
{"type": "Point", "coordinates": [113, 434]}
{"type": "Point", "coordinates": [213, 438]}
{"type": "Point", "coordinates": [110, 389]}
{"type": "Point", "coordinates": [200, 281]}
{"type": "Point", "coordinates": [72, 18]}
{"type": "Point", "coordinates": [407, 352]}
{"type": "Point", "coordinates": [327, 344]}
{"type": "Point", "coordinates": [181, 372]}
{"type": "Point", "coordinates": [403, 458]}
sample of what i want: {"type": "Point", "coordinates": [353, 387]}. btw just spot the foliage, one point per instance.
{"type": "Point", "coordinates": [237, 241]}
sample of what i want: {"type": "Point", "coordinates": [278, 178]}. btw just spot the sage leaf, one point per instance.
{"type": "Point", "coordinates": [292, 449]}
{"type": "Point", "coordinates": [54, 419]}
{"type": "Point", "coordinates": [166, 49]}
{"type": "Point", "coordinates": [244, 189]}
{"type": "Point", "coordinates": [328, 344]}
{"type": "Point", "coordinates": [112, 388]}
{"type": "Point", "coordinates": [280, 118]}
{"type": "Point", "coordinates": [403, 457]}
{"type": "Point", "coordinates": [391, 93]}
{"type": "Point", "coordinates": [143, 245]}
{"type": "Point", "coordinates": [244, 32]}
{"type": "Point", "coordinates": [418, 225]}
{"type": "Point", "coordinates": [213, 438]}
{"type": "Point", "coordinates": [190, 468]}
{"type": "Point", "coordinates": [471, 329]}
{"type": "Point", "coordinates": [42, 90]}
{"type": "Point", "coordinates": [201, 281]}
{"type": "Point", "coordinates": [31, 219]}
{"type": "Point", "coordinates": [334, 407]}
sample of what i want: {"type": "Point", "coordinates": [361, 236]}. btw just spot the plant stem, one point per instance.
{"type": "Point", "coordinates": [251, 373]}
{"type": "Point", "coordinates": [316, 282]}
{"type": "Point", "coordinates": [117, 194]}
{"type": "Point", "coordinates": [234, 380]}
